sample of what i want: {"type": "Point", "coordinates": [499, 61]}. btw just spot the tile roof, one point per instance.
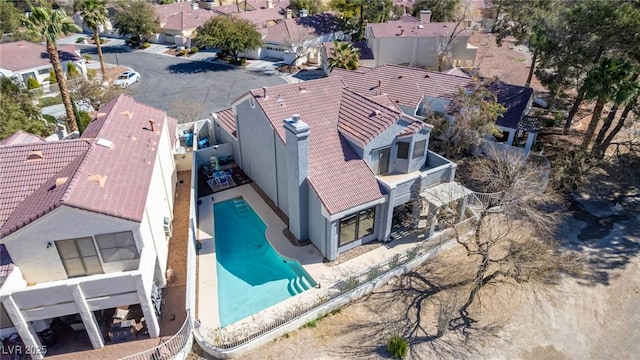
{"type": "Point", "coordinates": [108, 180]}
{"type": "Point", "coordinates": [21, 137]}
{"type": "Point", "coordinates": [180, 16]}
{"type": "Point", "coordinates": [340, 178]}
{"type": "Point", "coordinates": [252, 5]}
{"type": "Point", "coordinates": [263, 17]}
{"type": "Point", "coordinates": [405, 85]}
{"type": "Point", "coordinates": [404, 28]}
{"type": "Point", "coordinates": [362, 120]}
{"type": "Point", "coordinates": [227, 119]}
{"type": "Point", "coordinates": [315, 25]}
{"type": "Point", "coordinates": [24, 55]}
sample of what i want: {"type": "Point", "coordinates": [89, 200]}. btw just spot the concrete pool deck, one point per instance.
{"type": "Point", "coordinates": [308, 256]}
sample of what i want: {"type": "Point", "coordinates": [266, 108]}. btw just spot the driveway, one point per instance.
{"type": "Point", "coordinates": [167, 81]}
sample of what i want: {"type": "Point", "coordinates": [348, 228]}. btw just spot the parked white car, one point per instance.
{"type": "Point", "coordinates": [127, 78]}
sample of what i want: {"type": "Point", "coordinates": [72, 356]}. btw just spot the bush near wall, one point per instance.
{"type": "Point", "coordinates": [182, 52]}
{"type": "Point", "coordinates": [194, 50]}
{"type": "Point", "coordinates": [72, 71]}
{"type": "Point", "coordinates": [32, 83]}
{"type": "Point", "coordinates": [52, 77]}
{"type": "Point", "coordinates": [145, 45]}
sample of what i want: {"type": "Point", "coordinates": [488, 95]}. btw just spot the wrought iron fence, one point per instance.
{"type": "Point", "coordinates": [168, 350]}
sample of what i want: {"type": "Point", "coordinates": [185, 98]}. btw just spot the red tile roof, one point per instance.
{"type": "Point", "coordinates": [362, 119]}
{"type": "Point", "coordinates": [314, 25]}
{"type": "Point", "coordinates": [405, 85]}
{"type": "Point", "coordinates": [340, 178]}
{"type": "Point", "coordinates": [227, 119]}
{"type": "Point", "coordinates": [24, 55]}
{"type": "Point", "coordinates": [403, 28]}
{"type": "Point", "coordinates": [262, 17]}
{"type": "Point", "coordinates": [180, 16]}
{"type": "Point", "coordinates": [112, 181]}
{"type": "Point", "coordinates": [21, 137]}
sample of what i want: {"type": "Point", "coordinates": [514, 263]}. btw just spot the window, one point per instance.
{"type": "Point", "coordinates": [5, 320]}
{"type": "Point", "coordinates": [403, 150]}
{"type": "Point", "coordinates": [44, 71]}
{"type": "Point", "coordinates": [356, 226]}
{"type": "Point", "coordinates": [418, 149]}
{"type": "Point", "coordinates": [79, 257]}
{"type": "Point", "coordinates": [117, 246]}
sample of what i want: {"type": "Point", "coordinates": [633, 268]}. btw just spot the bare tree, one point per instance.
{"type": "Point", "coordinates": [508, 242]}
{"type": "Point", "coordinates": [301, 42]}
{"type": "Point", "coordinates": [186, 110]}
{"type": "Point", "coordinates": [444, 44]}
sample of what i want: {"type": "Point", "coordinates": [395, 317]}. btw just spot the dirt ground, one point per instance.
{"type": "Point", "coordinates": [590, 317]}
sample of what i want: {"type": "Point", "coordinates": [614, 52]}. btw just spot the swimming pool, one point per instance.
{"type": "Point", "coordinates": [251, 274]}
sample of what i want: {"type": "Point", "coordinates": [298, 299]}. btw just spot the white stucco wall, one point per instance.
{"type": "Point", "coordinates": [28, 246]}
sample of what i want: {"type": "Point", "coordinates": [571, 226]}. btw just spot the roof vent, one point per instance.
{"type": "Point", "coordinates": [302, 89]}
{"type": "Point", "coordinates": [35, 155]}
{"type": "Point", "coordinates": [127, 113]}
{"type": "Point", "coordinates": [105, 143]}
{"type": "Point", "coordinates": [426, 76]}
{"type": "Point", "coordinates": [399, 76]}
{"type": "Point", "coordinates": [61, 181]}
{"type": "Point", "coordinates": [420, 26]}
{"type": "Point", "coordinates": [264, 92]}
{"type": "Point", "coordinates": [279, 98]}
{"type": "Point", "coordinates": [98, 179]}
{"type": "Point", "coordinates": [151, 125]}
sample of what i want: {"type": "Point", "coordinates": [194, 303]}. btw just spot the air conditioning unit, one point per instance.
{"type": "Point", "coordinates": [168, 229]}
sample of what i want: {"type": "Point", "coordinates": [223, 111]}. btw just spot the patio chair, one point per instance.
{"type": "Point", "coordinates": [223, 182]}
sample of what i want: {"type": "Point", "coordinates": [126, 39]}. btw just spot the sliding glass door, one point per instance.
{"type": "Point", "coordinates": [356, 226]}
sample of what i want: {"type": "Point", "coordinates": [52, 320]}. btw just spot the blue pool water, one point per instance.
{"type": "Point", "coordinates": [251, 275]}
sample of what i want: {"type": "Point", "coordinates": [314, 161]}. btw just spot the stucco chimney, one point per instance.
{"type": "Point", "coordinates": [288, 14]}
{"type": "Point", "coordinates": [425, 16]}
{"type": "Point", "coordinates": [194, 6]}
{"type": "Point", "coordinates": [269, 4]}
{"type": "Point", "coordinates": [297, 138]}
{"type": "Point", "coordinates": [303, 13]}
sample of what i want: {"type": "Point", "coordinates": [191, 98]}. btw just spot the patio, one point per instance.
{"type": "Point", "coordinates": [308, 256]}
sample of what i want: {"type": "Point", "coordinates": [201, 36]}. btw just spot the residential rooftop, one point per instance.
{"type": "Point", "coordinates": [106, 171]}
{"type": "Point", "coordinates": [21, 55]}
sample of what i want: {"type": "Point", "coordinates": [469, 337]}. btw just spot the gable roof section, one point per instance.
{"type": "Point", "coordinates": [180, 16]}
{"type": "Point", "coordinates": [404, 85]}
{"type": "Point", "coordinates": [20, 178]}
{"type": "Point", "coordinates": [24, 55]}
{"type": "Point", "coordinates": [362, 119]}
{"type": "Point", "coordinates": [21, 137]}
{"type": "Point", "coordinates": [339, 177]}
{"type": "Point", "coordinates": [314, 25]}
{"type": "Point", "coordinates": [84, 173]}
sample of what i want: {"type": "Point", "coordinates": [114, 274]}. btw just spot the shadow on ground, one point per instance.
{"type": "Point", "coordinates": [195, 67]}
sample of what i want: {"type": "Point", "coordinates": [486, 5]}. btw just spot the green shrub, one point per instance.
{"type": "Point", "coordinates": [397, 347]}
{"type": "Point", "coordinates": [194, 50]}
{"type": "Point", "coordinates": [92, 73]}
{"type": "Point", "coordinates": [311, 324]}
{"type": "Point", "coordinates": [32, 83]}
{"type": "Point", "coordinates": [182, 52]}
{"type": "Point", "coordinates": [84, 118]}
{"type": "Point", "coordinates": [87, 57]}
{"type": "Point", "coordinates": [145, 45]}
{"type": "Point", "coordinates": [50, 118]}
{"type": "Point", "coordinates": [50, 100]}
{"type": "Point", "coordinates": [52, 77]}
{"type": "Point", "coordinates": [80, 40]}
{"type": "Point", "coordinates": [72, 71]}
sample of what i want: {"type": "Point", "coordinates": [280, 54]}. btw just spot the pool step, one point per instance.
{"type": "Point", "coordinates": [305, 283]}
{"type": "Point", "coordinates": [297, 285]}
{"type": "Point", "coordinates": [241, 206]}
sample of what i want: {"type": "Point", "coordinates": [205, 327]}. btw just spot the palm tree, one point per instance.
{"type": "Point", "coordinates": [50, 24]}
{"type": "Point", "coordinates": [344, 55]}
{"type": "Point", "coordinates": [94, 14]}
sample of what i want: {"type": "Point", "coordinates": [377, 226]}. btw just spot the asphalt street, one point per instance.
{"type": "Point", "coordinates": [166, 80]}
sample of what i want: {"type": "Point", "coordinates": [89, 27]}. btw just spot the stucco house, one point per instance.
{"type": "Point", "coordinates": [339, 164]}
{"type": "Point", "coordinates": [85, 223]}
{"type": "Point", "coordinates": [420, 42]}
{"type": "Point", "coordinates": [297, 40]}
{"type": "Point", "coordinates": [24, 59]}
{"type": "Point", "coordinates": [179, 22]}
{"type": "Point", "coordinates": [417, 91]}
